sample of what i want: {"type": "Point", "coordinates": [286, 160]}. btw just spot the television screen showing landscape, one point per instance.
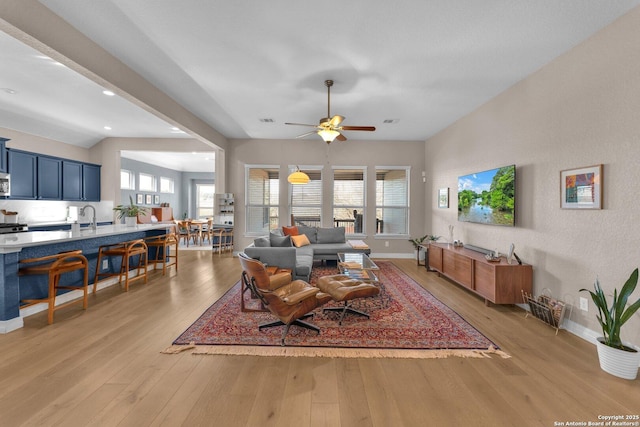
{"type": "Point", "coordinates": [488, 197]}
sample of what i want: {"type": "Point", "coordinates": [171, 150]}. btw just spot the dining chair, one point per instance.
{"type": "Point", "coordinates": [184, 231]}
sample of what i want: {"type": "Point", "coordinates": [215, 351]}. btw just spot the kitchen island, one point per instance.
{"type": "Point", "coordinates": [18, 246]}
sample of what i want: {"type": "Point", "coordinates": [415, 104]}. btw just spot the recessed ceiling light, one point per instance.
{"type": "Point", "coordinates": [107, 127]}
{"type": "Point", "coordinates": [390, 121]}
{"type": "Point", "coordinates": [8, 90]}
{"type": "Point", "coordinates": [267, 120]}
{"type": "Point", "coordinates": [108, 92]}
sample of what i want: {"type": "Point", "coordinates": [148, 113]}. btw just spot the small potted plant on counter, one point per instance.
{"type": "Point", "coordinates": [130, 212]}
{"type": "Point", "coordinates": [617, 358]}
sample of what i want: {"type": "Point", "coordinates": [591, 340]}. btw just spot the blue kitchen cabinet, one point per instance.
{"type": "Point", "coordinates": [23, 169]}
{"type": "Point", "coordinates": [91, 182]}
{"type": "Point", "coordinates": [80, 181]}
{"type": "Point", "coordinates": [3, 154]}
{"type": "Point", "coordinates": [71, 180]}
{"type": "Point", "coordinates": [49, 178]}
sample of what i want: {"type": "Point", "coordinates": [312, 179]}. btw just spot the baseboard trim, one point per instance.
{"type": "Point", "coordinates": [7, 326]}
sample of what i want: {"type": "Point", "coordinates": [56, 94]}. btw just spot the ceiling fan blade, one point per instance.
{"type": "Point", "coordinates": [341, 137]}
{"type": "Point", "coordinates": [301, 124]}
{"type": "Point", "coordinates": [336, 120]}
{"type": "Point", "coordinates": [313, 132]}
{"type": "Point", "coordinates": [367, 128]}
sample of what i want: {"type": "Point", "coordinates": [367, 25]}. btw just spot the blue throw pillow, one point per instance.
{"type": "Point", "coordinates": [280, 241]}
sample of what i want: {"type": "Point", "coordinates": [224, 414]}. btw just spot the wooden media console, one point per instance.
{"type": "Point", "coordinates": [497, 282]}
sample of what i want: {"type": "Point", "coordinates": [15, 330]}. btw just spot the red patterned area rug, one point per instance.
{"type": "Point", "coordinates": [405, 321]}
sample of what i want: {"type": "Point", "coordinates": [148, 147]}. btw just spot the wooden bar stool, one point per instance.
{"type": "Point", "coordinates": [165, 254]}
{"type": "Point", "coordinates": [227, 237]}
{"type": "Point", "coordinates": [55, 266]}
{"type": "Point", "coordinates": [125, 251]}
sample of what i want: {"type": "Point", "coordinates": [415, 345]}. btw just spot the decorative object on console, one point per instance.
{"type": "Point", "coordinates": [450, 241]}
{"type": "Point", "coordinates": [443, 198]}
{"type": "Point", "coordinates": [581, 188]}
{"type": "Point", "coordinates": [417, 241]}
{"type": "Point", "coordinates": [617, 358]}
{"type": "Point", "coordinates": [488, 197]}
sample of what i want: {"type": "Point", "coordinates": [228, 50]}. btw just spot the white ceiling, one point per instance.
{"type": "Point", "coordinates": [424, 64]}
{"type": "Point", "coordinates": [185, 162]}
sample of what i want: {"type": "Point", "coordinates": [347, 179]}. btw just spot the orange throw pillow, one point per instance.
{"type": "Point", "coordinates": [301, 240]}
{"type": "Point", "coordinates": [290, 231]}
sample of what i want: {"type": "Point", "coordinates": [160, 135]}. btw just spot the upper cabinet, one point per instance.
{"type": "Point", "coordinates": [23, 169]}
{"type": "Point", "coordinates": [3, 154]}
{"type": "Point", "coordinates": [80, 181]}
{"type": "Point", "coordinates": [49, 178]}
{"type": "Point", "coordinates": [42, 177]}
{"type": "Point", "coordinates": [91, 182]}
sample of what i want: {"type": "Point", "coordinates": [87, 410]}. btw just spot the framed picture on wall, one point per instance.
{"type": "Point", "coordinates": [139, 199]}
{"type": "Point", "coordinates": [443, 197]}
{"type": "Point", "coordinates": [581, 188]}
{"type": "Point", "coordinates": [149, 199]}
{"type": "Point", "coordinates": [156, 199]}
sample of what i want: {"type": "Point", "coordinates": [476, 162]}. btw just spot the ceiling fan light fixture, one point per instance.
{"type": "Point", "coordinates": [328, 135]}
{"type": "Point", "coordinates": [298, 177]}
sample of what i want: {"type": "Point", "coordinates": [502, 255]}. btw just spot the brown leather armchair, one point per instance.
{"type": "Point", "coordinates": [290, 301]}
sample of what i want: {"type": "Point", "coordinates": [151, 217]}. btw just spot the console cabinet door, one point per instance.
{"type": "Point", "coordinates": [435, 257]}
{"type": "Point", "coordinates": [457, 267]}
{"type": "Point", "coordinates": [22, 167]}
{"type": "Point", "coordinates": [71, 180]}
{"type": "Point", "coordinates": [91, 182]}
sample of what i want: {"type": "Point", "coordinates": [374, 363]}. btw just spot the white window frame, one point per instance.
{"type": "Point", "coordinates": [302, 187]}
{"type": "Point", "coordinates": [170, 181]}
{"type": "Point", "coordinates": [154, 182]}
{"type": "Point", "coordinates": [385, 227]}
{"type": "Point", "coordinates": [132, 180]}
{"type": "Point", "coordinates": [351, 207]}
{"type": "Point", "coordinates": [272, 222]}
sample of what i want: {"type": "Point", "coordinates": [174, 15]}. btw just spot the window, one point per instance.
{"type": "Point", "coordinates": [127, 181]}
{"type": "Point", "coordinates": [348, 199]}
{"type": "Point", "coordinates": [262, 198]}
{"type": "Point", "coordinates": [392, 200]}
{"type": "Point", "coordinates": [306, 199]}
{"type": "Point", "coordinates": [204, 200]}
{"type": "Point", "coordinates": [147, 182]}
{"type": "Point", "coordinates": [166, 185]}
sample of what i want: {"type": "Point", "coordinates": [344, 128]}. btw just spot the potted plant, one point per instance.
{"type": "Point", "coordinates": [130, 212]}
{"type": "Point", "coordinates": [417, 241]}
{"type": "Point", "coordinates": [617, 358]}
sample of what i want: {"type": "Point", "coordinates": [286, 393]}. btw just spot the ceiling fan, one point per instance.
{"type": "Point", "coordinates": [329, 127]}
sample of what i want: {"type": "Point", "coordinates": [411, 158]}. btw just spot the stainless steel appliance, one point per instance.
{"type": "Point", "coordinates": [7, 227]}
{"type": "Point", "coordinates": [5, 184]}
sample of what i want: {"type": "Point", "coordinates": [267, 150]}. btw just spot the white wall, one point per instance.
{"type": "Point", "coordinates": [581, 109]}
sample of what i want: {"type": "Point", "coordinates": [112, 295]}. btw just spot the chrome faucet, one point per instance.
{"type": "Point", "coordinates": [93, 219]}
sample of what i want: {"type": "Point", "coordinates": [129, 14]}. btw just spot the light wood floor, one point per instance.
{"type": "Point", "coordinates": [104, 367]}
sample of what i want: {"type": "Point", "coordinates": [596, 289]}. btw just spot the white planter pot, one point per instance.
{"type": "Point", "coordinates": [130, 221]}
{"type": "Point", "coordinates": [622, 364]}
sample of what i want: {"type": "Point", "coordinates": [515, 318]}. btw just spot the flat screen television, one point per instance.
{"type": "Point", "coordinates": [488, 197]}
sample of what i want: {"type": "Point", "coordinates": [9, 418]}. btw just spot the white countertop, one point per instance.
{"type": "Point", "coordinates": [13, 242]}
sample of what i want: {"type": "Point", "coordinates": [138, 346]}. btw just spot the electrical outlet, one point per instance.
{"type": "Point", "coordinates": [386, 243]}
{"type": "Point", "coordinates": [584, 304]}
{"type": "Point", "coordinates": [105, 264]}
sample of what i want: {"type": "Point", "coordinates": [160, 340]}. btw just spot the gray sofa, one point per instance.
{"type": "Point", "coordinates": [277, 249]}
